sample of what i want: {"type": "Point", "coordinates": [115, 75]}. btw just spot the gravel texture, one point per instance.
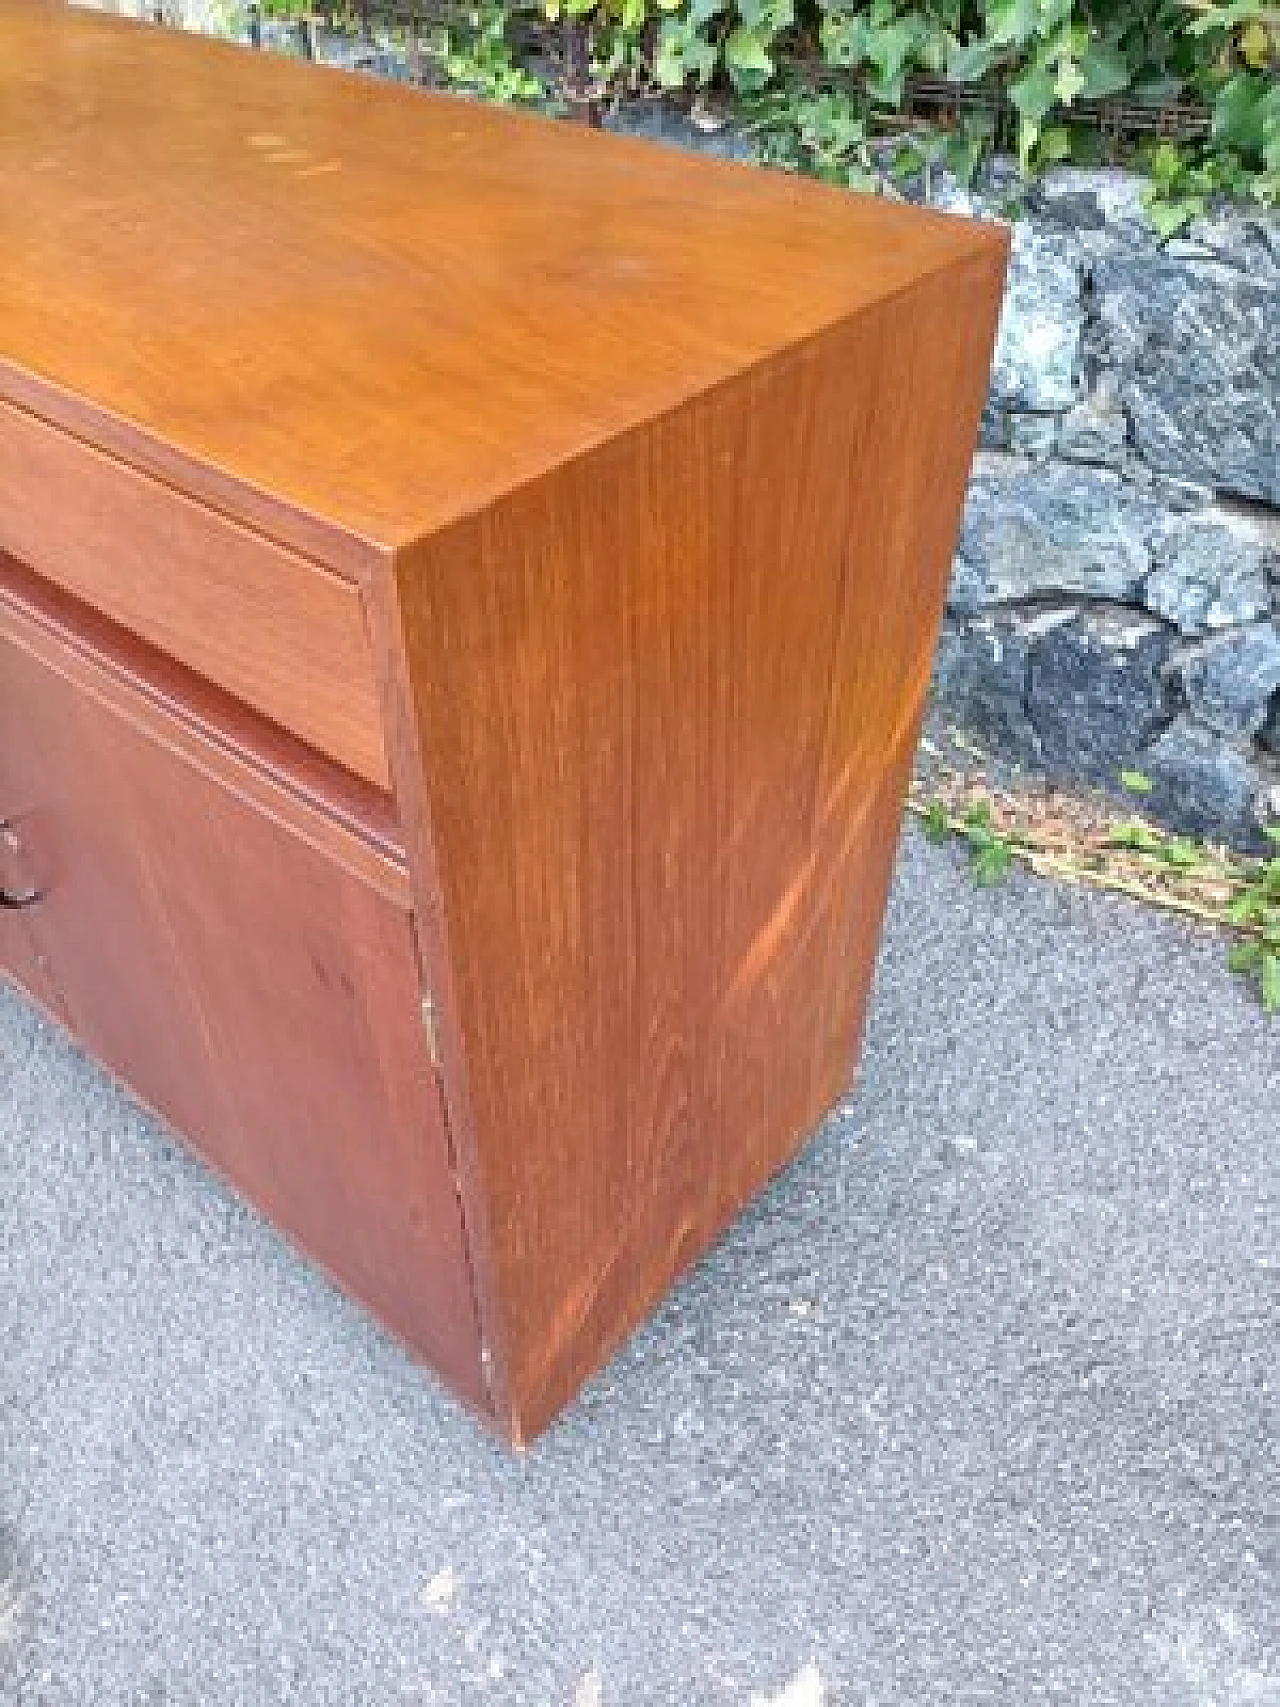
{"type": "Point", "coordinates": [976, 1405]}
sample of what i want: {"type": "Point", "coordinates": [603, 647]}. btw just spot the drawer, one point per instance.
{"type": "Point", "coordinates": [281, 633]}
{"type": "Point", "coordinates": [243, 957]}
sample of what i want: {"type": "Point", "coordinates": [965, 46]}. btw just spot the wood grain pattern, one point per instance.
{"type": "Point", "coordinates": [668, 700]}
{"type": "Point", "coordinates": [257, 994]}
{"type": "Point", "coordinates": [349, 821]}
{"type": "Point", "coordinates": [286, 635]}
{"type": "Point", "coordinates": [353, 312]}
{"type": "Point", "coordinates": [594, 500]}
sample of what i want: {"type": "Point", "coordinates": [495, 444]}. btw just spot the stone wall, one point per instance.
{"type": "Point", "coordinates": [1116, 597]}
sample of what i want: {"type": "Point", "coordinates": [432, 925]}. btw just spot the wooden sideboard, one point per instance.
{"type": "Point", "coordinates": [468, 588]}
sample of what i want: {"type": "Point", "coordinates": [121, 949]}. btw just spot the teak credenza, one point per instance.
{"type": "Point", "coordinates": [468, 587]}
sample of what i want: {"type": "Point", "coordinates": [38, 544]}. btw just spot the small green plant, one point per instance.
{"type": "Point", "coordinates": [1255, 913]}
{"type": "Point", "coordinates": [1178, 852]}
{"type": "Point", "coordinates": [1082, 843]}
{"type": "Point", "coordinates": [991, 851]}
{"type": "Point", "coordinates": [1138, 836]}
{"type": "Point", "coordinates": [1249, 898]}
{"type": "Point", "coordinates": [937, 823]}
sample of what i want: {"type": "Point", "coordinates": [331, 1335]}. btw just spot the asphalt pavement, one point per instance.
{"type": "Point", "coordinates": [976, 1405]}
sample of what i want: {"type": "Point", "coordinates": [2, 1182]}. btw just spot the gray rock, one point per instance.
{"type": "Point", "coordinates": [1038, 351]}
{"type": "Point", "coordinates": [1249, 242]}
{"type": "Point", "coordinates": [1231, 682]}
{"type": "Point", "coordinates": [980, 679]}
{"type": "Point", "coordinates": [993, 429]}
{"type": "Point", "coordinates": [1046, 528]}
{"type": "Point", "coordinates": [1209, 573]}
{"type": "Point", "coordinates": [1117, 195]}
{"type": "Point", "coordinates": [1095, 692]}
{"type": "Point", "coordinates": [1069, 207]}
{"type": "Point", "coordinates": [659, 121]}
{"type": "Point", "coordinates": [380, 58]}
{"type": "Point", "coordinates": [1033, 434]}
{"type": "Point", "coordinates": [1195, 345]}
{"type": "Point", "coordinates": [991, 196]}
{"type": "Point", "coordinates": [1268, 737]}
{"type": "Point", "coordinates": [1203, 783]}
{"type": "Point", "coordinates": [1132, 382]}
{"type": "Point", "coordinates": [1095, 433]}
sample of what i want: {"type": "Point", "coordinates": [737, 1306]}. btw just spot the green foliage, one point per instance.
{"type": "Point", "coordinates": [936, 824]}
{"type": "Point", "coordinates": [479, 57]}
{"type": "Point", "coordinates": [285, 11]}
{"type": "Point", "coordinates": [1255, 913]}
{"type": "Point", "coordinates": [991, 851]}
{"type": "Point", "coordinates": [1211, 885]}
{"type": "Point", "coordinates": [1140, 837]}
{"type": "Point", "coordinates": [1045, 56]}
{"type": "Point", "coordinates": [737, 38]}
{"type": "Point", "coordinates": [823, 134]}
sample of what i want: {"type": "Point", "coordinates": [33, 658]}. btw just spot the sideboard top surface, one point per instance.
{"type": "Point", "coordinates": [350, 312]}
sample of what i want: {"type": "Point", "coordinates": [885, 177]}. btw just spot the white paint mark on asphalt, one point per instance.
{"type": "Point", "coordinates": [590, 1690]}
{"type": "Point", "coordinates": [1219, 1659]}
{"type": "Point", "coordinates": [440, 1593]}
{"type": "Point", "coordinates": [806, 1689]}
{"type": "Point", "coordinates": [10, 1614]}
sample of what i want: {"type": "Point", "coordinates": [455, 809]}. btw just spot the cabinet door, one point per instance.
{"type": "Point", "coordinates": [21, 959]}
{"type": "Point", "coordinates": [244, 961]}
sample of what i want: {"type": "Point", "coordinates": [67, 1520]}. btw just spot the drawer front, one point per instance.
{"type": "Point", "coordinates": [279, 632]}
{"type": "Point", "coordinates": [235, 958]}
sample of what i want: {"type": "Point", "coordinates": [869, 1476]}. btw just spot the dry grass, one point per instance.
{"type": "Point", "coordinates": [1080, 837]}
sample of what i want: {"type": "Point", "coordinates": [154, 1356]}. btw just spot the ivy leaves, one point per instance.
{"type": "Point", "coordinates": [707, 34]}
{"type": "Point", "coordinates": [748, 48]}
{"type": "Point", "coordinates": [884, 43]}
{"type": "Point", "coordinates": [685, 52]}
{"type": "Point", "coordinates": [479, 58]}
{"type": "Point", "coordinates": [1047, 57]}
{"type": "Point", "coordinates": [1242, 42]}
{"type": "Point", "coordinates": [1062, 61]}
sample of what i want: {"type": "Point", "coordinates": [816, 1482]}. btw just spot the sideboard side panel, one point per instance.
{"type": "Point", "coordinates": [667, 701]}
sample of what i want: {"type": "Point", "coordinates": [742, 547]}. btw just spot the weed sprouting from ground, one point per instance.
{"type": "Point", "coordinates": [1083, 839]}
